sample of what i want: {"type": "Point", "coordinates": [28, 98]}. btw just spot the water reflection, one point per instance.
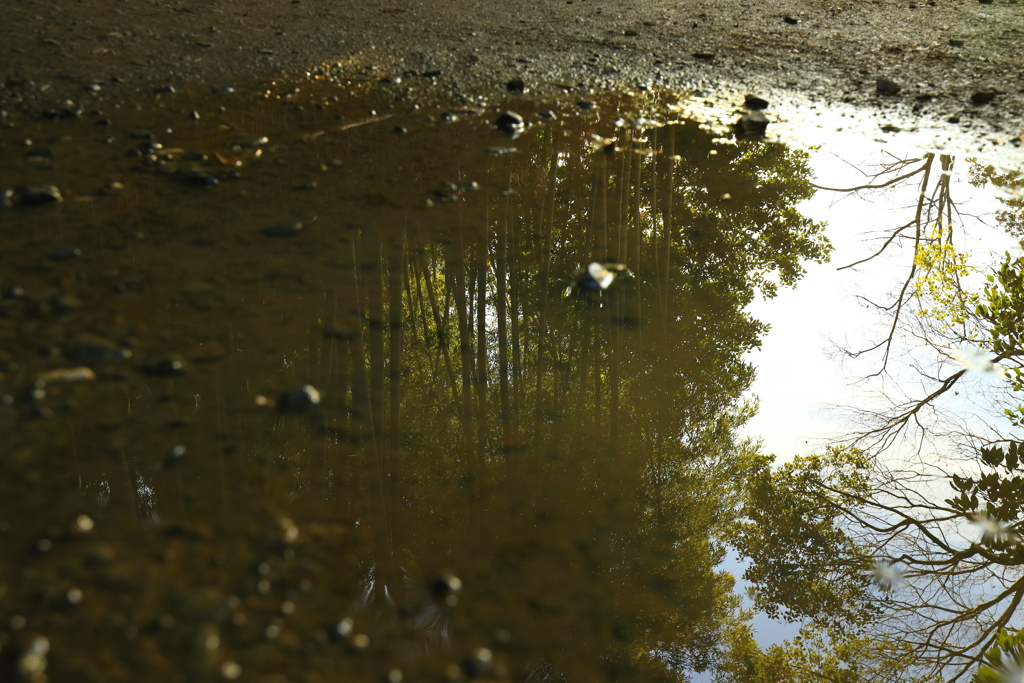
{"type": "Point", "coordinates": [384, 440]}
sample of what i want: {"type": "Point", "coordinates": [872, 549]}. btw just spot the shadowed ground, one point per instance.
{"type": "Point", "coordinates": [941, 52]}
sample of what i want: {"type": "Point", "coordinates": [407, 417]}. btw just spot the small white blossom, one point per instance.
{"type": "Point", "coordinates": [887, 575]}
{"type": "Point", "coordinates": [994, 531]}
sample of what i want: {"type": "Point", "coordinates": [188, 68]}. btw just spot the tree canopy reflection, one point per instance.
{"type": "Point", "coordinates": [573, 459]}
{"type": "Point", "coordinates": [906, 565]}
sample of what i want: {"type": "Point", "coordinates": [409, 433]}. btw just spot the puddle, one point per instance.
{"type": "Point", "coordinates": [312, 388]}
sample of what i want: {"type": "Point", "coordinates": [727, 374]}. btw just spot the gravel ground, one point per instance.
{"type": "Point", "coordinates": [940, 52]}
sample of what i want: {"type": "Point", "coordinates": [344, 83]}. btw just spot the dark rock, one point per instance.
{"type": "Point", "coordinates": [953, 119]}
{"type": "Point", "coordinates": [141, 135]}
{"type": "Point", "coordinates": [92, 350]}
{"type": "Point", "coordinates": [195, 156]}
{"type": "Point", "coordinates": [478, 664]}
{"type": "Point", "coordinates": [102, 122]}
{"type": "Point", "coordinates": [37, 195]}
{"type": "Point", "coordinates": [510, 122]}
{"type": "Point", "coordinates": [99, 555]}
{"type": "Point", "coordinates": [285, 228]}
{"type": "Point", "coordinates": [42, 153]}
{"type": "Point", "coordinates": [516, 85]}
{"type": "Point", "coordinates": [171, 365]}
{"type": "Point", "coordinates": [547, 115]}
{"type": "Point", "coordinates": [752, 124]}
{"type": "Point", "coordinates": [255, 142]}
{"type": "Point", "coordinates": [299, 400]}
{"type": "Point", "coordinates": [62, 303]}
{"type": "Point", "coordinates": [38, 309]}
{"type": "Point", "coordinates": [194, 178]}
{"type": "Point", "coordinates": [164, 89]}
{"type": "Point", "coordinates": [754, 102]}
{"type": "Point", "coordinates": [174, 457]}
{"type": "Point", "coordinates": [956, 42]}
{"type": "Point", "coordinates": [983, 96]}
{"type": "Point", "coordinates": [884, 86]}
{"type": "Point", "coordinates": [194, 115]}
{"type": "Point", "coordinates": [790, 20]}
{"type": "Point", "coordinates": [444, 586]}
{"type": "Point", "coordinates": [586, 105]}
{"type": "Point", "coordinates": [65, 253]}
{"type": "Point", "coordinates": [704, 56]}
{"type": "Point", "coordinates": [431, 73]}
{"type": "Point", "coordinates": [401, 130]}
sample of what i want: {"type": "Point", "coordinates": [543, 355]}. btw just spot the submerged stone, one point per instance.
{"type": "Point", "coordinates": [284, 228]}
{"type": "Point", "coordinates": [93, 350]}
{"type": "Point", "coordinates": [194, 178]}
{"type": "Point", "coordinates": [37, 195]}
{"type": "Point", "coordinates": [299, 400]}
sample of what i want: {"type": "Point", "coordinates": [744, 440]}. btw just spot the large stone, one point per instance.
{"type": "Point", "coordinates": [752, 124]}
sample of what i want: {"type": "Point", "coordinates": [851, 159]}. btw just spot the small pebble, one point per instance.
{"type": "Point", "coordinates": [37, 195]}
{"type": "Point", "coordinates": [194, 178]}
{"type": "Point", "coordinates": [510, 122]}
{"type": "Point", "coordinates": [40, 153]}
{"type": "Point", "coordinates": [65, 253]}
{"type": "Point", "coordinates": [284, 228]}
{"type": "Point", "coordinates": [171, 365]}
{"type": "Point", "coordinates": [230, 671]}
{"type": "Point", "coordinates": [92, 350]}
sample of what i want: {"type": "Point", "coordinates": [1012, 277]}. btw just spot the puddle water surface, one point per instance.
{"type": "Point", "coordinates": [315, 394]}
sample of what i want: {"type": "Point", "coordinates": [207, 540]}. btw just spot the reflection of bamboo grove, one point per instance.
{"type": "Point", "coordinates": [569, 457]}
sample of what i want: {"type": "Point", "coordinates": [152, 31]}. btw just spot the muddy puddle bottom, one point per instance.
{"type": "Point", "coordinates": [301, 393]}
